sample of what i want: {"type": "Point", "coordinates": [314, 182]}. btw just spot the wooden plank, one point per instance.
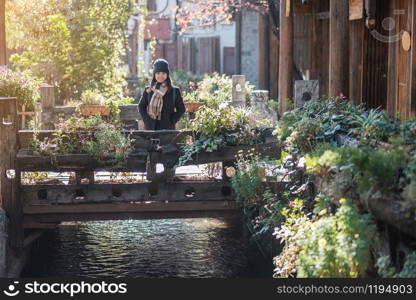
{"type": "Point", "coordinates": [356, 63]}
{"type": "Point", "coordinates": [322, 15]}
{"type": "Point", "coordinates": [136, 161]}
{"type": "Point", "coordinates": [141, 137]}
{"type": "Point", "coordinates": [129, 113]}
{"type": "Point", "coordinates": [285, 55]}
{"type": "Point", "coordinates": [47, 93]}
{"type": "Point", "coordinates": [131, 207]}
{"type": "Point", "coordinates": [339, 48]}
{"type": "Point", "coordinates": [9, 183]}
{"type": "Point", "coordinates": [3, 47]}
{"type": "Point", "coordinates": [274, 66]}
{"type": "Point", "coordinates": [229, 61]}
{"type": "Point", "coordinates": [392, 68]}
{"type": "Point", "coordinates": [403, 64]}
{"type": "Point", "coordinates": [126, 193]}
{"type": "Point", "coordinates": [412, 92]}
{"type": "Point", "coordinates": [227, 154]}
{"type": "Point", "coordinates": [38, 225]}
{"type": "Point", "coordinates": [75, 162]}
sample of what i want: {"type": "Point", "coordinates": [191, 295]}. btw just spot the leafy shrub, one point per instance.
{"type": "Point", "coordinates": [92, 97]}
{"type": "Point", "coordinates": [247, 181]}
{"type": "Point", "coordinates": [338, 245]}
{"type": "Point", "coordinates": [103, 141]}
{"type": "Point", "coordinates": [295, 224]}
{"type": "Point", "coordinates": [216, 127]}
{"type": "Point", "coordinates": [409, 182]}
{"type": "Point", "coordinates": [186, 80]}
{"type": "Point", "coordinates": [303, 138]}
{"type": "Point", "coordinates": [215, 89]}
{"type": "Point", "coordinates": [380, 168]}
{"type": "Point", "coordinates": [20, 85]}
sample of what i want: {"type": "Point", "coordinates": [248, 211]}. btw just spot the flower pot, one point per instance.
{"type": "Point", "coordinates": [193, 106]}
{"type": "Point", "coordinates": [91, 110]}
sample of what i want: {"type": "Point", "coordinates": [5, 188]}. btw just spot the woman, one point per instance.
{"type": "Point", "coordinates": [161, 105]}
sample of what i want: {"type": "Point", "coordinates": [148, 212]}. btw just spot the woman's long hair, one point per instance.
{"type": "Point", "coordinates": [168, 81]}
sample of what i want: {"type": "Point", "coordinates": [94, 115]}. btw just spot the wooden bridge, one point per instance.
{"type": "Point", "coordinates": [42, 206]}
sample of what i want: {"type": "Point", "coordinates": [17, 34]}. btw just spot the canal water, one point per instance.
{"type": "Point", "coordinates": [168, 248]}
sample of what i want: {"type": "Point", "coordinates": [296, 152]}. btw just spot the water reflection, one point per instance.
{"type": "Point", "coordinates": [187, 248]}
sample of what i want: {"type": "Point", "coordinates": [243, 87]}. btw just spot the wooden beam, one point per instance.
{"type": "Point", "coordinates": [9, 173]}
{"type": "Point", "coordinates": [286, 60]}
{"type": "Point", "coordinates": [3, 47]}
{"type": "Point", "coordinates": [392, 73]}
{"type": "Point", "coordinates": [126, 193]}
{"type": "Point", "coordinates": [339, 48]}
{"type": "Point", "coordinates": [412, 65]}
{"type": "Point", "coordinates": [38, 225]}
{"type": "Point", "coordinates": [141, 137]}
{"type": "Point", "coordinates": [136, 161]}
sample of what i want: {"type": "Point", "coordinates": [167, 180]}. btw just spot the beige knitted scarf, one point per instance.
{"type": "Point", "coordinates": [154, 109]}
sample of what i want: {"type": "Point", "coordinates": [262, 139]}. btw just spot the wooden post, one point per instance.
{"type": "Point", "coordinates": [3, 54]}
{"type": "Point", "coordinates": [3, 242]}
{"type": "Point", "coordinates": [339, 47]}
{"type": "Point", "coordinates": [286, 61]}
{"type": "Point", "coordinates": [9, 175]}
{"type": "Point", "coordinates": [38, 114]}
{"type": "Point", "coordinates": [412, 92]}
{"type": "Point", "coordinates": [47, 104]}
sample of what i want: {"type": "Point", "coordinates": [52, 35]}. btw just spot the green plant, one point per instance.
{"type": "Point", "coordinates": [217, 127]}
{"type": "Point", "coordinates": [338, 245]}
{"type": "Point", "coordinates": [92, 97]}
{"type": "Point", "coordinates": [247, 181]}
{"type": "Point", "coordinates": [273, 105]}
{"type": "Point", "coordinates": [20, 85]}
{"type": "Point", "coordinates": [191, 97]}
{"type": "Point", "coordinates": [409, 181]}
{"type": "Point", "coordinates": [215, 89]}
{"type": "Point", "coordinates": [386, 270]}
{"type": "Point", "coordinates": [303, 138]}
{"type": "Point", "coordinates": [372, 168]}
{"type": "Point", "coordinates": [103, 141]}
{"type": "Point", "coordinates": [109, 146]}
{"type": "Point", "coordinates": [186, 80]}
{"type": "Point", "coordinates": [295, 224]}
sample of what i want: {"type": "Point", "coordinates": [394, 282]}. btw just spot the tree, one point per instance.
{"type": "Point", "coordinates": [75, 45]}
{"type": "Point", "coordinates": [208, 12]}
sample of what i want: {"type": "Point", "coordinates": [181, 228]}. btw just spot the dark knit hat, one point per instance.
{"type": "Point", "coordinates": [161, 65]}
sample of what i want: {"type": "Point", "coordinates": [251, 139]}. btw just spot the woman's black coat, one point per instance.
{"type": "Point", "coordinates": [169, 116]}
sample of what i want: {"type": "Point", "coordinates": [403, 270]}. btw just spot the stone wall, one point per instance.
{"type": "Point", "coordinates": [250, 46]}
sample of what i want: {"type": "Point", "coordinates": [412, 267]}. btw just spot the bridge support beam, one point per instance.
{"type": "Point", "coordinates": [9, 174]}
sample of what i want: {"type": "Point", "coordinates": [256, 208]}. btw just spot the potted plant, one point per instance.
{"type": "Point", "coordinates": [92, 103]}
{"type": "Point", "coordinates": [192, 101]}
